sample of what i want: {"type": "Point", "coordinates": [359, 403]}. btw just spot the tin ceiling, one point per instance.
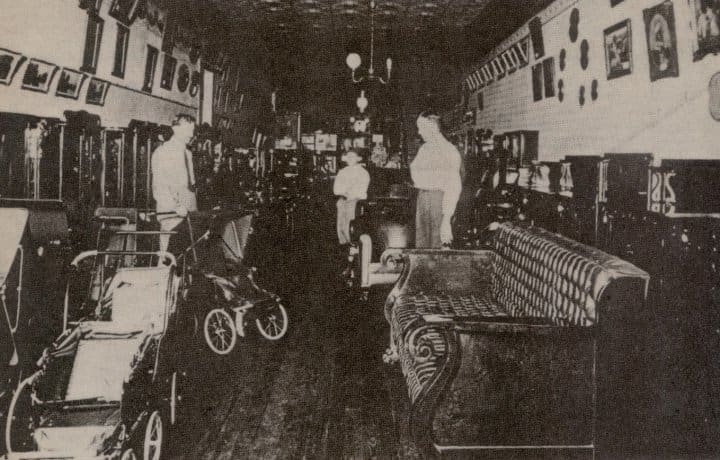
{"type": "Point", "coordinates": [303, 43]}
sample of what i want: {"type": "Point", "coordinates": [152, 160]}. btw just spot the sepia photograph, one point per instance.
{"type": "Point", "coordinates": [359, 229]}
{"type": "Point", "coordinates": [69, 83]}
{"type": "Point", "coordinates": [618, 50]}
{"type": "Point", "coordinates": [38, 75]}
{"type": "Point", "coordinates": [9, 64]}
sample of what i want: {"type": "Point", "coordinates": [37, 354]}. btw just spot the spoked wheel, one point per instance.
{"type": "Point", "coordinates": [152, 444]}
{"type": "Point", "coordinates": [273, 322]}
{"type": "Point", "coordinates": [219, 331]}
{"type": "Point", "coordinates": [129, 454]}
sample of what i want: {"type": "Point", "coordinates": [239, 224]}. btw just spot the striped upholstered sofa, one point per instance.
{"type": "Point", "coordinates": [534, 347]}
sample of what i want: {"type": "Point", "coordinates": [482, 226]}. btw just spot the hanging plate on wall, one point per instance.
{"type": "Point", "coordinates": [574, 22]}
{"type": "Point", "coordinates": [183, 78]}
{"type": "Point", "coordinates": [714, 102]}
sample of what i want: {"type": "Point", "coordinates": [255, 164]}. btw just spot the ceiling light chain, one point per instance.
{"type": "Point", "coordinates": [353, 60]}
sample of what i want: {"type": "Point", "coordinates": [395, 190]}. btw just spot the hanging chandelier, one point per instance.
{"type": "Point", "coordinates": [353, 59]}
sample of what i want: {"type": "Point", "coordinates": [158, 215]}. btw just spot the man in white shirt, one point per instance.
{"type": "Point", "coordinates": [435, 173]}
{"type": "Point", "coordinates": [351, 184]}
{"type": "Point", "coordinates": [173, 178]}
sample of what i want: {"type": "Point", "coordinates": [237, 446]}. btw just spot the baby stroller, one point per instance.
{"type": "Point", "coordinates": [214, 267]}
{"type": "Point", "coordinates": [239, 300]}
{"type": "Point", "coordinates": [109, 385]}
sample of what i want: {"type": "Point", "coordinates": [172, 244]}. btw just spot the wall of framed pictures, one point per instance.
{"type": "Point", "coordinates": [101, 67]}
{"type": "Point", "coordinates": [631, 76]}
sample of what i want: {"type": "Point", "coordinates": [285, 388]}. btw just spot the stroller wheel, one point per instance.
{"type": "Point", "coordinates": [153, 441]}
{"type": "Point", "coordinates": [273, 322]}
{"type": "Point", "coordinates": [219, 331]}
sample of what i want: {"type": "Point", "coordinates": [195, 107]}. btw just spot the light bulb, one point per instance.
{"type": "Point", "coordinates": [353, 61]}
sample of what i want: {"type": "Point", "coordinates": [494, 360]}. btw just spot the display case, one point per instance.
{"type": "Point", "coordinates": [30, 160]}
{"type": "Point", "coordinates": [685, 188]}
{"type": "Point", "coordinates": [627, 180]}
{"type": "Point", "coordinates": [522, 147]}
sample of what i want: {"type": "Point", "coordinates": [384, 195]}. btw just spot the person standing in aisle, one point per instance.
{"type": "Point", "coordinates": [435, 172]}
{"type": "Point", "coordinates": [173, 177]}
{"type": "Point", "coordinates": [351, 184]}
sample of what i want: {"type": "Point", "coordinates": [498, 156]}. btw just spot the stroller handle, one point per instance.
{"type": "Point", "coordinates": [94, 253]}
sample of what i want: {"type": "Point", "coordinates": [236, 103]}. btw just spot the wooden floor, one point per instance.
{"type": "Point", "coordinates": [321, 392]}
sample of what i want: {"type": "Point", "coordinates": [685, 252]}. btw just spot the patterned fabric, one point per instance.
{"type": "Point", "coordinates": [421, 349]}
{"type": "Point", "coordinates": [534, 273]}
{"type": "Point", "coordinates": [541, 274]}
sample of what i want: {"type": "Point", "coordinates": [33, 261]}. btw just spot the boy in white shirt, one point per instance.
{"type": "Point", "coordinates": [351, 184]}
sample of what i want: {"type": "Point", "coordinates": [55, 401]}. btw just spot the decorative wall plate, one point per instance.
{"type": "Point", "coordinates": [183, 80]}
{"type": "Point", "coordinates": [714, 101]}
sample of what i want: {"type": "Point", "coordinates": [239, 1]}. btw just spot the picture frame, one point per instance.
{"type": "Point", "coordinates": [331, 164]}
{"type": "Point", "coordinates": [614, 3]}
{"type": "Point", "coordinates": [661, 41]}
{"type": "Point", "coordinates": [93, 38]}
{"type": "Point", "coordinates": [97, 91]}
{"type": "Point", "coordinates": [705, 26]}
{"type": "Point", "coordinates": [548, 66]}
{"type": "Point", "coordinates": [617, 41]}
{"type": "Point", "coordinates": [195, 84]}
{"type": "Point", "coordinates": [150, 68]}
{"type": "Point", "coordinates": [125, 11]}
{"type": "Point", "coordinates": [168, 72]}
{"type": "Point", "coordinates": [10, 62]}
{"type": "Point", "coordinates": [537, 81]}
{"type": "Point", "coordinates": [70, 83]}
{"type": "Point", "coordinates": [38, 75]}
{"type": "Point", "coordinates": [183, 80]}
{"type": "Point", "coordinates": [90, 5]}
{"type": "Point", "coordinates": [169, 34]}
{"type": "Point", "coordinates": [122, 42]}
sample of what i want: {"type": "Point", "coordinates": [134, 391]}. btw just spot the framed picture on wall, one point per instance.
{"type": "Point", "coordinates": [169, 34]}
{"type": "Point", "coordinates": [124, 11]}
{"type": "Point", "coordinates": [183, 80]}
{"type": "Point", "coordinates": [705, 24]}
{"type": "Point", "coordinates": [96, 92]}
{"type": "Point", "coordinates": [150, 66]}
{"type": "Point", "coordinates": [70, 83]}
{"type": "Point", "coordinates": [9, 64]}
{"type": "Point", "coordinates": [618, 50]}
{"type": "Point", "coordinates": [537, 82]}
{"type": "Point", "coordinates": [38, 75]}
{"type": "Point", "coordinates": [90, 5]}
{"type": "Point", "coordinates": [168, 72]}
{"type": "Point", "coordinates": [661, 41]}
{"type": "Point", "coordinates": [195, 83]}
{"type": "Point", "coordinates": [93, 37]}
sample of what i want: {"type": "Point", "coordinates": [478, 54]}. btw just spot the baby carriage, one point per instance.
{"type": "Point", "coordinates": [215, 263]}
{"type": "Point", "coordinates": [109, 385]}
